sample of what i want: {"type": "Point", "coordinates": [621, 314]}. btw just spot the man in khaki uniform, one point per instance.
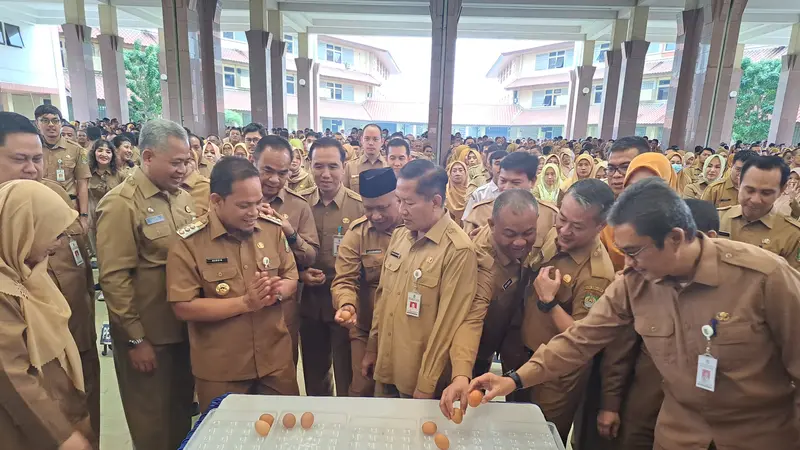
{"type": "Point", "coordinates": [137, 223]}
{"type": "Point", "coordinates": [753, 219]}
{"type": "Point", "coordinates": [372, 159]}
{"type": "Point", "coordinates": [334, 208]}
{"type": "Point", "coordinates": [426, 294]}
{"type": "Point", "coordinates": [358, 266]}
{"type": "Point", "coordinates": [725, 192]}
{"type": "Point", "coordinates": [398, 154]}
{"type": "Point", "coordinates": [508, 238]}
{"type": "Point", "coordinates": [571, 270]}
{"type": "Point", "coordinates": [64, 161]}
{"type": "Point", "coordinates": [297, 222]}
{"type": "Point", "coordinates": [226, 277]}
{"type": "Point", "coordinates": [718, 317]}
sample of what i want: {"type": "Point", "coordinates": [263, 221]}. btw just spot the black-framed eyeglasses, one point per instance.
{"type": "Point", "coordinates": [622, 169]}
{"type": "Point", "coordinates": [634, 254]}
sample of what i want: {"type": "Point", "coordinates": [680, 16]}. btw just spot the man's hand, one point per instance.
{"type": "Point", "coordinates": [421, 395]}
{"type": "Point", "coordinates": [368, 364]}
{"type": "Point", "coordinates": [84, 224]}
{"type": "Point", "coordinates": [312, 277]}
{"type": "Point", "coordinates": [493, 385]}
{"type": "Point", "coordinates": [608, 424]}
{"type": "Point", "coordinates": [275, 286]}
{"type": "Point", "coordinates": [143, 357]}
{"type": "Point", "coordinates": [458, 390]}
{"type": "Point", "coordinates": [75, 441]}
{"type": "Point", "coordinates": [258, 293]}
{"type": "Point", "coordinates": [546, 287]}
{"type": "Point", "coordinates": [339, 318]}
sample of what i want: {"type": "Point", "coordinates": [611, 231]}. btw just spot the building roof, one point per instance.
{"type": "Point", "coordinates": [383, 55]}
{"type": "Point", "coordinates": [505, 58]}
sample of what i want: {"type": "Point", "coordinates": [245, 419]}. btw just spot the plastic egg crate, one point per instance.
{"type": "Point", "coordinates": [494, 436]}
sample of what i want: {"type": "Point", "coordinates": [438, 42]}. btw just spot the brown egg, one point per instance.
{"type": "Point", "coordinates": [441, 441]}
{"type": "Point", "coordinates": [458, 416]}
{"type": "Point", "coordinates": [429, 428]}
{"type": "Point", "coordinates": [345, 315]}
{"type": "Point", "coordinates": [475, 398]}
{"type": "Point", "coordinates": [262, 428]}
{"type": "Point", "coordinates": [289, 421]}
{"type": "Point", "coordinates": [307, 420]}
{"type": "Point", "coordinates": [267, 418]}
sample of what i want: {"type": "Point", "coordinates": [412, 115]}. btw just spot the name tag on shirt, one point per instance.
{"type": "Point", "coordinates": [61, 175]}
{"type": "Point", "coordinates": [154, 219]}
{"type": "Point", "coordinates": [376, 251]}
{"type": "Point", "coordinates": [76, 252]}
{"type": "Point", "coordinates": [413, 304]}
{"type": "Point", "coordinates": [337, 241]}
{"type": "Point", "coordinates": [706, 372]}
{"type": "Point", "coordinates": [508, 284]}
{"type": "Point", "coordinates": [216, 260]}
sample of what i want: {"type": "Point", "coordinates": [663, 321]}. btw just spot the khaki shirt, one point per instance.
{"type": "Point", "coordinates": [199, 187]}
{"type": "Point", "coordinates": [103, 181]}
{"type": "Point", "coordinates": [483, 211]}
{"type": "Point", "coordinates": [204, 167]}
{"type": "Point", "coordinates": [352, 170]}
{"type": "Point", "coordinates": [136, 226]}
{"type": "Point", "coordinates": [721, 193]}
{"type": "Point", "coordinates": [774, 232]}
{"type": "Point", "coordinates": [358, 269]}
{"type": "Point", "coordinates": [71, 158]}
{"type": "Point", "coordinates": [412, 352]}
{"type": "Point", "coordinates": [478, 176]}
{"type": "Point", "coordinates": [695, 190]}
{"type": "Point", "coordinates": [302, 182]}
{"type": "Point", "coordinates": [753, 295]}
{"type": "Point", "coordinates": [205, 262]}
{"type": "Point", "coordinates": [296, 210]}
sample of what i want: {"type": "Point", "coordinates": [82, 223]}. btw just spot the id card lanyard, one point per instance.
{"type": "Point", "coordinates": [706, 363]}
{"type": "Point", "coordinates": [337, 241]}
{"type": "Point", "coordinates": [60, 174]}
{"type": "Point", "coordinates": [414, 300]}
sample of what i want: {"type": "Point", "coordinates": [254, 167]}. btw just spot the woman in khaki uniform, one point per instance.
{"type": "Point", "coordinates": [456, 196]}
{"type": "Point", "coordinates": [42, 387]}
{"type": "Point", "coordinates": [197, 185]}
{"type": "Point", "coordinates": [105, 176]}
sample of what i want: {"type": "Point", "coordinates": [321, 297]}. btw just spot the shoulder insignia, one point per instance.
{"type": "Point", "coordinates": [352, 194]}
{"type": "Point", "coordinates": [483, 202]}
{"type": "Point", "coordinates": [192, 228]}
{"type": "Point", "coordinates": [128, 187]}
{"type": "Point", "coordinates": [746, 256]}
{"type": "Point", "coordinates": [272, 219]}
{"type": "Point", "coordinates": [458, 237]}
{"type": "Point", "coordinates": [715, 184]}
{"type": "Point", "coordinates": [601, 265]}
{"type": "Point", "coordinates": [357, 222]}
{"type": "Point", "coordinates": [298, 194]}
{"type": "Point", "coordinates": [792, 221]}
{"type": "Point", "coordinates": [304, 192]}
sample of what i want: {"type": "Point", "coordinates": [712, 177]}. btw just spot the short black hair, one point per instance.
{"type": "Point", "coordinates": [275, 143]}
{"type": "Point", "coordinates": [94, 133]}
{"type": "Point", "coordinates": [517, 199]}
{"type": "Point", "coordinates": [41, 110]}
{"type": "Point", "coordinates": [628, 142]}
{"type": "Point", "coordinates": [253, 128]}
{"type": "Point", "coordinates": [228, 170]}
{"type": "Point", "coordinates": [653, 209]}
{"type": "Point", "coordinates": [491, 148]}
{"type": "Point", "coordinates": [234, 129]}
{"type": "Point", "coordinates": [709, 149]}
{"type": "Point", "coordinates": [499, 154]}
{"type": "Point", "coordinates": [399, 142]}
{"type": "Point", "coordinates": [120, 139]}
{"type": "Point", "coordinates": [521, 162]}
{"type": "Point", "coordinates": [212, 134]}
{"type": "Point", "coordinates": [704, 213]}
{"type": "Point", "coordinates": [767, 163]}
{"type": "Point", "coordinates": [744, 155]}
{"type": "Point", "coordinates": [593, 192]}
{"type": "Point", "coordinates": [68, 125]}
{"type": "Point", "coordinates": [372, 125]}
{"type": "Point", "coordinates": [432, 180]}
{"type": "Point", "coordinates": [547, 150]}
{"type": "Point", "coordinates": [327, 142]}
{"type": "Point", "coordinates": [12, 123]}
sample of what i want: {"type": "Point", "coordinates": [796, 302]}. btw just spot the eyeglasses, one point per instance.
{"type": "Point", "coordinates": [45, 121]}
{"type": "Point", "coordinates": [622, 169]}
{"type": "Point", "coordinates": [634, 255]}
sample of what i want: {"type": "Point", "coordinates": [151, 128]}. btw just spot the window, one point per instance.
{"type": "Point", "coordinates": [336, 90]}
{"type": "Point", "coordinates": [546, 132]}
{"type": "Point", "coordinates": [289, 39]}
{"type": "Point", "coordinates": [333, 53]}
{"type": "Point", "coordinates": [243, 76]}
{"type": "Point", "coordinates": [290, 84]}
{"type": "Point", "coordinates": [13, 36]}
{"type": "Point", "coordinates": [669, 47]}
{"type": "Point", "coordinates": [601, 52]}
{"type": "Point", "coordinates": [47, 101]}
{"type": "Point", "coordinates": [516, 97]}
{"type": "Point", "coordinates": [3, 36]}
{"type": "Point", "coordinates": [227, 34]}
{"type": "Point", "coordinates": [598, 94]}
{"type": "Point", "coordinates": [647, 90]}
{"type": "Point", "coordinates": [653, 48]}
{"type": "Point", "coordinates": [230, 76]}
{"type": "Point", "coordinates": [551, 97]}
{"type": "Point", "coordinates": [555, 60]}
{"type": "Point", "coordinates": [663, 89]}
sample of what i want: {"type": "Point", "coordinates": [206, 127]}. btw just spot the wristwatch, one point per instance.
{"type": "Point", "coordinates": [83, 215]}
{"type": "Point", "coordinates": [546, 307]}
{"type": "Point", "coordinates": [517, 380]}
{"type": "Point", "coordinates": [292, 239]}
{"type": "Point", "coordinates": [134, 342]}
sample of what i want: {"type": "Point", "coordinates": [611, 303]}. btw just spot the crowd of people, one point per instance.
{"type": "Point", "coordinates": [641, 297]}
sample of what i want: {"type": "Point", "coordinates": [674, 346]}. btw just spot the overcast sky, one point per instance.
{"type": "Point", "coordinates": [474, 57]}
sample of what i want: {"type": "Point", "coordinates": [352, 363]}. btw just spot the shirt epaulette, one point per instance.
{"type": "Point", "coordinates": [358, 222]}
{"type": "Point", "coordinates": [458, 237]}
{"type": "Point", "coordinates": [792, 221]}
{"type": "Point", "coordinates": [548, 205]}
{"type": "Point", "coordinates": [192, 228]}
{"type": "Point", "coordinates": [272, 219]}
{"type": "Point", "coordinates": [296, 194]}
{"type": "Point", "coordinates": [128, 188]}
{"type": "Point", "coordinates": [483, 202]}
{"type": "Point", "coordinates": [746, 256]}
{"type": "Point", "coordinates": [352, 194]}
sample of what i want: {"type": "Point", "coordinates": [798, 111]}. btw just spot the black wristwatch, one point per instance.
{"type": "Point", "coordinates": [514, 376]}
{"type": "Point", "coordinates": [292, 239]}
{"type": "Point", "coordinates": [132, 343]}
{"type": "Point", "coordinates": [546, 307]}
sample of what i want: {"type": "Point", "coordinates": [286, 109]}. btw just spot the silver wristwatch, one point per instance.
{"type": "Point", "coordinates": [134, 342]}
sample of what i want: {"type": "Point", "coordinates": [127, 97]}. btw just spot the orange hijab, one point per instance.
{"type": "Point", "coordinates": [656, 163]}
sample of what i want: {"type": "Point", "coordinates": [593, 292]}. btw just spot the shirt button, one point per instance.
{"type": "Point", "coordinates": [391, 314]}
{"type": "Point", "coordinates": [245, 267]}
{"type": "Point", "coordinates": [652, 328]}
{"type": "Point", "coordinates": [728, 255]}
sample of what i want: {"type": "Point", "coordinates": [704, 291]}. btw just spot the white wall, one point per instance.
{"type": "Point", "coordinates": [360, 93]}
{"type": "Point", "coordinates": [34, 65]}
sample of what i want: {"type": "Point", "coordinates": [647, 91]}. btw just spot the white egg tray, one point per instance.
{"type": "Point", "coordinates": [342, 423]}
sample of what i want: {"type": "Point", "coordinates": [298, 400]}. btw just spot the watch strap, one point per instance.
{"type": "Point", "coordinates": [546, 307]}
{"type": "Point", "coordinates": [514, 376]}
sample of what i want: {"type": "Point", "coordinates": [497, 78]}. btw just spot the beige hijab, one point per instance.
{"type": "Point", "coordinates": [32, 216]}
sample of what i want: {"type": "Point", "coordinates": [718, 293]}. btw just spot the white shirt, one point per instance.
{"type": "Point", "coordinates": [488, 191]}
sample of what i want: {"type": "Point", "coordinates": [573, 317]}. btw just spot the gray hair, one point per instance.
{"type": "Point", "coordinates": [156, 132]}
{"type": "Point", "coordinates": [518, 200]}
{"type": "Point", "coordinates": [592, 192]}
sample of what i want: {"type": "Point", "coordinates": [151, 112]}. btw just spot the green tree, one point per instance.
{"type": "Point", "coordinates": [143, 78]}
{"type": "Point", "coordinates": [756, 99]}
{"type": "Point", "coordinates": [233, 118]}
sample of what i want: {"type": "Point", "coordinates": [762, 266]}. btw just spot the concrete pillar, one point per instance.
{"type": "Point", "coordinates": [259, 41]}
{"type": "Point", "coordinates": [306, 82]}
{"type": "Point", "coordinates": [444, 20]}
{"type": "Point", "coordinates": [113, 64]}
{"type": "Point", "coordinates": [634, 51]}
{"type": "Point", "coordinates": [211, 60]}
{"type": "Point", "coordinates": [169, 110]}
{"type": "Point", "coordinates": [722, 20]}
{"type": "Point", "coordinates": [182, 57]}
{"type": "Point", "coordinates": [80, 64]}
{"type": "Point", "coordinates": [277, 68]}
{"type": "Point", "coordinates": [580, 81]}
{"type": "Point", "coordinates": [730, 110]}
{"type": "Point", "coordinates": [613, 63]}
{"type": "Point", "coordinates": [680, 90]}
{"type": "Point", "coordinates": [316, 124]}
{"type": "Point", "coordinates": [787, 100]}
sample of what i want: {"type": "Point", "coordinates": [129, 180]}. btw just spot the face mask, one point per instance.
{"type": "Point", "coordinates": [677, 167]}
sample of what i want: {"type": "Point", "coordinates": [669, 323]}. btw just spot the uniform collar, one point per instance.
{"type": "Point", "coordinates": [500, 257]}
{"type": "Point", "coordinates": [145, 185]}
{"type": "Point", "coordinates": [60, 144]}
{"type": "Point", "coordinates": [99, 171]}
{"type": "Point", "coordinates": [281, 196]}
{"type": "Point", "coordinates": [436, 233]}
{"type": "Point", "coordinates": [365, 159]}
{"type": "Point", "coordinates": [728, 184]}
{"type": "Point", "coordinates": [215, 226]}
{"type": "Point", "coordinates": [768, 219]}
{"type": "Point", "coordinates": [707, 271]}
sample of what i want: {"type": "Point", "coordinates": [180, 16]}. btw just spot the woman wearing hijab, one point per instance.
{"type": "Point", "coordinates": [227, 149]}
{"type": "Point", "coordinates": [712, 171]}
{"type": "Point", "coordinates": [676, 160]}
{"type": "Point", "coordinates": [197, 185]}
{"type": "Point", "coordinates": [553, 159]}
{"type": "Point", "coordinates": [600, 171]}
{"type": "Point", "coordinates": [456, 195]}
{"type": "Point", "coordinates": [240, 150]}
{"type": "Point", "coordinates": [788, 203]}
{"type": "Point", "coordinates": [584, 166]}
{"type": "Point", "coordinates": [206, 159]}
{"type": "Point", "coordinates": [566, 159]}
{"type": "Point", "coordinates": [649, 165]}
{"type": "Point", "coordinates": [300, 180]}
{"type": "Point", "coordinates": [547, 185]}
{"type": "Point", "coordinates": [43, 396]}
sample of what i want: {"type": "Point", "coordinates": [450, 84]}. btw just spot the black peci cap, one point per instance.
{"type": "Point", "coordinates": [377, 182]}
